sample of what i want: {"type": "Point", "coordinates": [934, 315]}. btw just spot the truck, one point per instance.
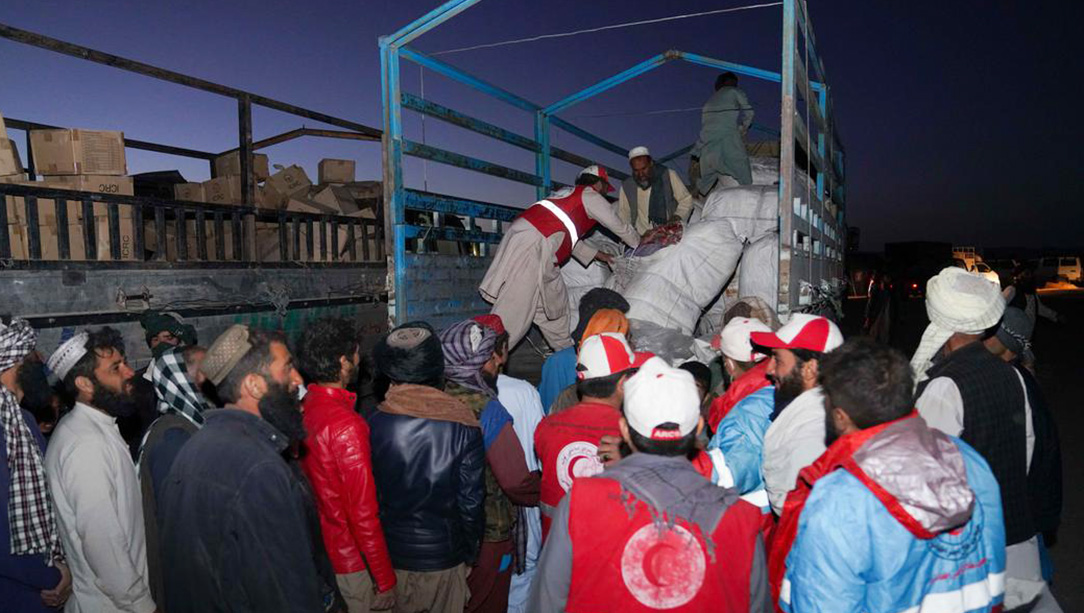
{"type": "Point", "coordinates": [201, 260]}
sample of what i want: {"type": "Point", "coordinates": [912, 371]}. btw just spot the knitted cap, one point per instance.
{"type": "Point", "coordinates": [224, 354]}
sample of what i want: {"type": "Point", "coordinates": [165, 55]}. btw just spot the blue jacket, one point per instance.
{"type": "Point", "coordinates": [737, 448]}
{"type": "Point", "coordinates": [558, 372]}
{"type": "Point", "coordinates": [22, 577]}
{"type": "Point", "coordinates": [852, 554]}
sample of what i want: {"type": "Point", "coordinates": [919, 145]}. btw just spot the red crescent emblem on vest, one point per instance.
{"type": "Point", "coordinates": [577, 459]}
{"type": "Point", "coordinates": [663, 568]}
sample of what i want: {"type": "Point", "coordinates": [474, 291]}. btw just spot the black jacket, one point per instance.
{"type": "Point", "coordinates": [429, 482]}
{"type": "Point", "coordinates": [235, 523]}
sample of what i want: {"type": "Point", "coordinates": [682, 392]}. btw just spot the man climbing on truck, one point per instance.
{"type": "Point", "coordinates": [524, 282]}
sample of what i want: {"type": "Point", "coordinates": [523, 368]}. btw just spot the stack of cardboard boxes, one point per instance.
{"type": "Point", "coordinates": [336, 193]}
{"type": "Point", "coordinates": [70, 159]}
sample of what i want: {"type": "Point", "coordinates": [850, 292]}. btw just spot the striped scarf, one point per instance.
{"type": "Point", "coordinates": [175, 390]}
{"type": "Point", "coordinates": [31, 515]}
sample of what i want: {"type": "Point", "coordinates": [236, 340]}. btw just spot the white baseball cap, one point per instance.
{"type": "Point", "coordinates": [636, 152]}
{"type": "Point", "coordinates": [803, 331]}
{"type": "Point", "coordinates": [733, 340]}
{"type": "Point", "coordinates": [606, 354]}
{"type": "Point", "coordinates": [659, 394]}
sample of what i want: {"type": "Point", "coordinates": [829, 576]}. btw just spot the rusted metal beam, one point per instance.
{"type": "Point", "coordinates": [302, 132]}
{"type": "Point", "coordinates": [92, 55]}
{"type": "Point", "coordinates": [20, 124]}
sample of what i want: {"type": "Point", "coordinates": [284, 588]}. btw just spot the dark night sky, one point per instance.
{"type": "Point", "coordinates": [958, 118]}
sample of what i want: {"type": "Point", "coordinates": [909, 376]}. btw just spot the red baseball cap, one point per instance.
{"type": "Point", "coordinates": [803, 331]}
{"type": "Point", "coordinates": [606, 354]}
{"type": "Point", "coordinates": [600, 172]}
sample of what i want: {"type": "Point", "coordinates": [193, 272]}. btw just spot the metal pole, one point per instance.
{"type": "Point", "coordinates": [394, 213]}
{"type": "Point", "coordinates": [786, 159]}
{"type": "Point", "coordinates": [542, 158]}
{"type": "Point", "coordinates": [244, 133]}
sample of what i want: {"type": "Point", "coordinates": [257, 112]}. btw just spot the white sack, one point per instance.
{"type": "Point", "coordinates": [670, 287]}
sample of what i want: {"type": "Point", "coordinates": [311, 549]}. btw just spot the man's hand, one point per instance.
{"type": "Point", "coordinates": [57, 596]}
{"type": "Point", "coordinates": [604, 257]}
{"type": "Point", "coordinates": [383, 601]}
{"type": "Point", "coordinates": [609, 450]}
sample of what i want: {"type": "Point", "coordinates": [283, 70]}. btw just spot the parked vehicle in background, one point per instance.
{"type": "Point", "coordinates": [1060, 268]}
{"type": "Point", "coordinates": [972, 262]}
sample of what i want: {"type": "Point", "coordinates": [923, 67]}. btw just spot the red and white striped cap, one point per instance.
{"type": "Point", "coordinates": [600, 172]}
{"type": "Point", "coordinates": [606, 354]}
{"type": "Point", "coordinates": [803, 331]}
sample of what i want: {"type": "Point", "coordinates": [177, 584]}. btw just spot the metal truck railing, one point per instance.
{"type": "Point", "coordinates": [812, 229]}
{"type": "Point", "coordinates": [182, 233]}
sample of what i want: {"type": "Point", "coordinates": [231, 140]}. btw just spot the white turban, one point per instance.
{"type": "Point", "coordinates": [956, 301]}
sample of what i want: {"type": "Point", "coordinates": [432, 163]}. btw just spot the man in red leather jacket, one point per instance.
{"type": "Point", "coordinates": [336, 459]}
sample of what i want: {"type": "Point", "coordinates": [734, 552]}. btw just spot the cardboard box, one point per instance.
{"type": "Point", "coordinates": [78, 152]}
{"type": "Point", "coordinates": [230, 164]}
{"type": "Point", "coordinates": [335, 171]}
{"type": "Point", "coordinates": [47, 218]}
{"type": "Point", "coordinates": [190, 192]}
{"type": "Point", "coordinates": [291, 181]}
{"type": "Point", "coordinates": [102, 184]}
{"type": "Point", "coordinates": [305, 205]}
{"type": "Point", "coordinates": [222, 190]}
{"type": "Point", "coordinates": [10, 164]}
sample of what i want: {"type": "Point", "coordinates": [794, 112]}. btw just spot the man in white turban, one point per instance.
{"type": "Point", "coordinates": [967, 392]}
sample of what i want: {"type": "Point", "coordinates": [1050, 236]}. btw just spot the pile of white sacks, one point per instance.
{"type": "Point", "coordinates": [669, 289]}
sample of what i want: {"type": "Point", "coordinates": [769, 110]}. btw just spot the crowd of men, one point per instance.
{"type": "Point", "coordinates": [800, 471]}
{"type": "Point", "coordinates": [818, 477]}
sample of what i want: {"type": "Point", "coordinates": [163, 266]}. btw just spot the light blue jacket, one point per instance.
{"type": "Point", "coordinates": [558, 372]}
{"type": "Point", "coordinates": [851, 554]}
{"type": "Point", "coordinates": [737, 448]}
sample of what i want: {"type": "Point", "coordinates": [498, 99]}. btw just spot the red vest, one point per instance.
{"type": "Point", "coordinates": [567, 445]}
{"type": "Point", "coordinates": [753, 379]}
{"type": "Point", "coordinates": [621, 561]}
{"type": "Point", "coordinates": [549, 222]}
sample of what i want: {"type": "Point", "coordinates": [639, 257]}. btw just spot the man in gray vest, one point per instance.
{"type": "Point", "coordinates": [653, 196]}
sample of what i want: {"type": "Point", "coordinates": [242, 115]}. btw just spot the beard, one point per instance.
{"type": "Point", "coordinates": [787, 389]}
{"type": "Point", "coordinates": [831, 435]}
{"type": "Point", "coordinates": [644, 184]}
{"type": "Point", "coordinates": [353, 379]}
{"type": "Point", "coordinates": [490, 380]}
{"type": "Point", "coordinates": [282, 410]}
{"type": "Point", "coordinates": [117, 404]}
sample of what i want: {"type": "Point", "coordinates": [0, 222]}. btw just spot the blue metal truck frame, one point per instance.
{"type": "Point", "coordinates": [433, 287]}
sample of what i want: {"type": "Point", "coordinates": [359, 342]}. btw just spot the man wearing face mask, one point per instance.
{"type": "Point", "coordinates": [235, 517]}
{"type": "Point", "coordinates": [796, 437]}
{"type": "Point", "coordinates": [338, 463]}
{"type": "Point", "coordinates": [93, 480]}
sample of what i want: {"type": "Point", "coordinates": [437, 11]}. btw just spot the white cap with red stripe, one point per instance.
{"type": "Point", "coordinates": [606, 354]}
{"type": "Point", "coordinates": [803, 331]}
{"type": "Point", "coordinates": [658, 394]}
{"type": "Point", "coordinates": [600, 172]}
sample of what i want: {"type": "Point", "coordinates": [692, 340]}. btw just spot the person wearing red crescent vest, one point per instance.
{"type": "Point", "coordinates": [650, 533]}
{"type": "Point", "coordinates": [524, 282]}
{"type": "Point", "coordinates": [567, 442]}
